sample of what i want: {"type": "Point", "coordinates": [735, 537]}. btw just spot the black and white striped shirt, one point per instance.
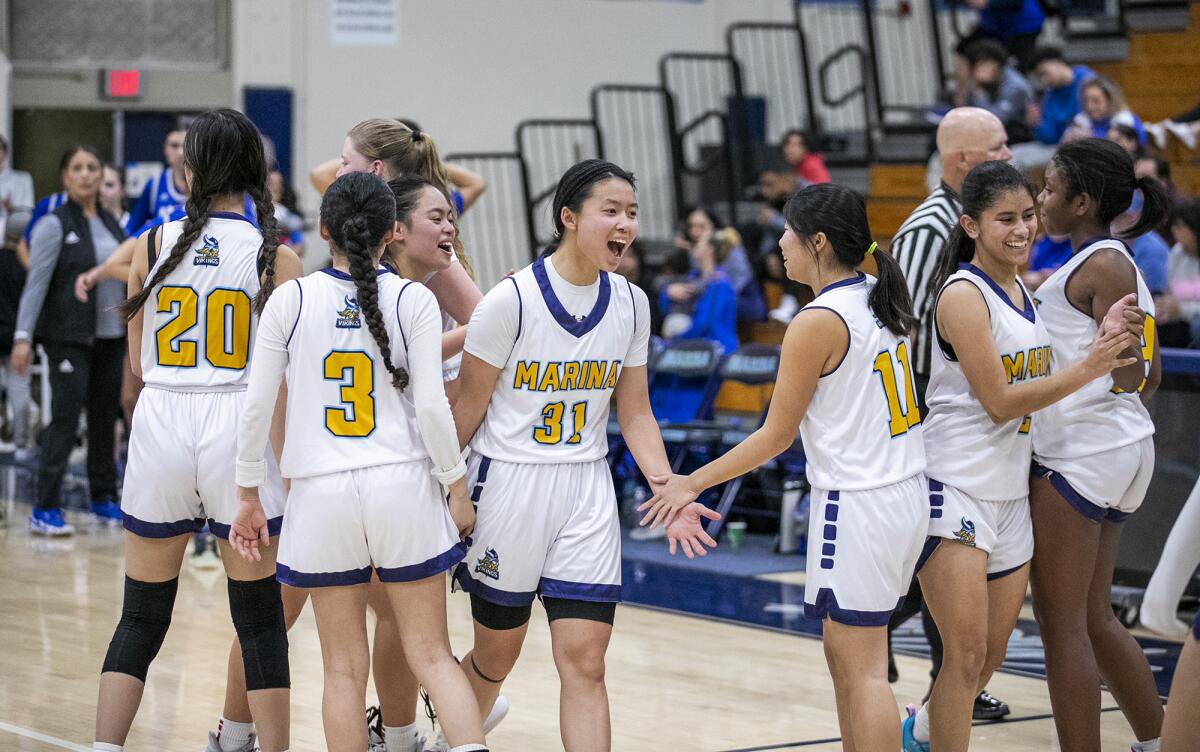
{"type": "Point", "coordinates": [917, 245]}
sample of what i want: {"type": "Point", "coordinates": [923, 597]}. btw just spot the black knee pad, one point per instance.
{"type": "Point", "coordinates": [145, 618]}
{"type": "Point", "coordinates": [569, 608]}
{"type": "Point", "coordinates": [257, 612]}
{"type": "Point", "coordinates": [498, 617]}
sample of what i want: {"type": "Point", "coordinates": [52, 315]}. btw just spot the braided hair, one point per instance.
{"type": "Point", "coordinates": [357, 211]}
{"type": "Point", "coordinates": [224, 152]}
{"type": "Point", "coordinates": [575, 187]}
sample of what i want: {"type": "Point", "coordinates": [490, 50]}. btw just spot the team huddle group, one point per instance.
{"type": "Point", "coordinates": [381, 446]}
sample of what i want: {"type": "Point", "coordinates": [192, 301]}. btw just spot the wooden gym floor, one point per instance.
{"type": "Point", "coordinates": [675, 682]}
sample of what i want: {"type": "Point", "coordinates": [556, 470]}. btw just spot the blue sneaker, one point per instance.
{"type": "Point", "coordinates": [107, 511]}
{"type": "Point", "coordinates": [907, 740]}
{"type": "Point", "coordinates": [50, 522]}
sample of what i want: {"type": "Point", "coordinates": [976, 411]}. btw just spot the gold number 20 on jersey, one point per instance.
{"type": "Point", "coordinates": [899, 419]}
{"type": "Point", "coordinates": [226, 327]}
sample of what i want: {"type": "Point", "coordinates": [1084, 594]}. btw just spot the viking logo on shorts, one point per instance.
{"type": "Point", "coordinates": [208, 254]}
{"type": "Point", "coordinates": [966, 533]}
{"type": "Point", "coordinates": [349, 317]}
{"type": "Point", "coordinates": [488, 565]}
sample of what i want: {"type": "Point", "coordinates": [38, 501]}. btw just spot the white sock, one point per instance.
{"type": "Point", "coordinates": [1147, 746]}
{"type": "Point", "coordinates": [233, 735]}
{"type": "Point", "coordinates": [401, 738]}
{"type": "Point", "coordinates": [921, 725]}
{"type": "Point", "coordinates": [469, 748]}
{"type": "Point", "coordinates": [105, 747]}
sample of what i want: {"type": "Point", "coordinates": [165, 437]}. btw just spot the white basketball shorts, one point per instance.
{"type": "Point", "coordinates": [181, 458]}
{"type": "Point", "coordinates": [542, 530]}
{"type": "Point", "coordinates": [1003, 529]}
{"type": "Point", "coordinates": [1108, 486]}
{"type": "Point", "coordinates": [390, 519]}
{"type": "Point", "coordinates": [863, 548]}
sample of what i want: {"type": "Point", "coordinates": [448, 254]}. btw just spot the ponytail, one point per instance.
{"type": "Point", "coordinates": [1156, 207]}
{"type": "Point", "coordinates": [889, 299]}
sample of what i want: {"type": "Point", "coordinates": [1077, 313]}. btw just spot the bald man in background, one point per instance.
{"type": "Point", "coordinates": [966, 137]}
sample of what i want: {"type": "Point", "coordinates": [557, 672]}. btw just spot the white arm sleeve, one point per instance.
{"type": "Point", "coordinates": [421, 319]}
{"type": "Point", "coordinates": [495, 324]}
{"type": "Point", "coordinates": [639, 348]}
{"type": "Point", "coordinates": [267, 367]}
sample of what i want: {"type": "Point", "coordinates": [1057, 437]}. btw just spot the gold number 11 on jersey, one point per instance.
{"type": "Point", "coordinates": [899, 418]}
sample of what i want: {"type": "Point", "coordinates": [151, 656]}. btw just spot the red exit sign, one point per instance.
{"type": "Point", "coordinates": [120, 84]}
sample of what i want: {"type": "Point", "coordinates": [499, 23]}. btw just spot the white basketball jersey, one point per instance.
{"type": "Point", "coordinates": [862, 428]}
{"type": "Point", "coordinates": [550, 404]}
{"type": "Point", "coordinates": [198, 324]}
{"type": "Point", "coordinates": [1097, 417]}
{"type": "Point", "coordinates": [963, 446]}
{"type": "Point", "coordinates": [339, 389]}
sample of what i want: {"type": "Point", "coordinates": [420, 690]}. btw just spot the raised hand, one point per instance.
{"type": "Point", "coordinates": [687, 531]}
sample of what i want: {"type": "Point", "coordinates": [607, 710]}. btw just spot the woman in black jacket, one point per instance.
{"type": "Point", "coordinates": [84, 341]}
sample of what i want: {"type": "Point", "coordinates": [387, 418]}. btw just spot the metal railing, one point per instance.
{"type": "Point", "coordinates": [773, 60]}
{"type": "Point", "coordinates": [497, 231]}
{"type": "Point", "coordinates": [548, 147]}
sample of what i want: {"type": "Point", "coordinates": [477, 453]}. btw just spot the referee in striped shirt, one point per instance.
{"type": "Point", "coordinates": [966, 137]}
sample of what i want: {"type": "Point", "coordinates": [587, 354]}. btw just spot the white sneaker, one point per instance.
{"type": "Point", "coordinates": [787, 310]}
{"type": "Point", "coordinates": [499, 711]}
{"type": "Point", "coordinates": [215, 746]}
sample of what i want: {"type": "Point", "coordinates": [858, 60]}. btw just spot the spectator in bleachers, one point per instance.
{"type": "Point", "coordinates": [1049, 119]}
{"type": "Point", "coordinates": [1047, 255]}
{"type": "Point", "coordinates": [798, 151]}
{"type": "Point", "coordinates": [112, 193]}
{"type": "Point", "coordinates": [1150, 250]}
{"type": "Point", "coordinates": [1102, 105]}
{"type": "Point", "coordinates": [633, 268]}
{"type": "Point", "coordinates": [16, 186]}
{"type": "Point", "coordinates": [1179, 308]}
{"type": "Point", "coordinates": [999, 88]}
{"type": "Point", "coordinates": [84, 342]}
{"type": "Point", "coordinates": [1127, 138]}
{"type": "Point", "coordinates": [1014, 23]}
{"type": "Point", "coordinates": [12, 280]}
{"type": "Point", "coordinates": [1160, 170]}
{"type": "Point", "coordinates": [707, 240]}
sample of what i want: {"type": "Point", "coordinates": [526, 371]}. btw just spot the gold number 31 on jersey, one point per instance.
{"type": "Point", "coordinates": [551, 429]}
{"type": "Point", "coordinates": [899, 418]}
{"type": "Point", "coordinates": [226, 327]}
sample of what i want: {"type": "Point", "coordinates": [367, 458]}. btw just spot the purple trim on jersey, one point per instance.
{"type": "Point", "coordinates": [860, 277]}
{"type": "Point", "coordinates": [1116, 515]}
{"type": "Point", "coordinates": [931, 544]}
{"type": "Point", "coordinates": [427, 568]}
{"type": "Point", "coordinates": [400, 323]}
{"type": "Point", "coordinates": [231, 215]}
{"type": "Point", "coordinates": [1029, 313]}
{"type": "Point", "coordinates": [299, 309]}
{"type": "Point", "coordinates": [221, 530]}
{"type": "Point", "coordinates": [490, 594]}
{"type": "Point", "coordinates": [145, 529]}
{"type": "Point", "coordinates": [1196, 627]}
{"type": "Point", "coordinates": [1004, 572]}
{"type": "Point", "coordinates": [1089, 509]}
{"type": "Point", "coordinates": [843, 320]}
{"type": "Point", "coordinates": [579, 591]}
{"type": "Point", "coordinates": [288, 576]}
{"type": "Point", "coordinates": [826, 605]}
{"type": "Point", "coordinates": [1099, 238]}
{"type": "Point", "coordinates": [339, 274]}
{"type": "Point", "coordinates": [564, 319]}
{"type": "Point", "coordinates": [520, 309]}
{"type": "Point", "coordinates": [632, 303]}
{"type": "Point", "coordinates": [485, 463]}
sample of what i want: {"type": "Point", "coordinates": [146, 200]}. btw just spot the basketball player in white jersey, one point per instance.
{"type": "Point", "coordinates": [547, 350]}
{"type": "Point", "coordinates": [991, 371]}
{"type": "Point", "coordinates": [196, 288]}
{"type": "Point", "coordinates": [847, 377]}
{"type": "Point", "coordinates": [365, 453]}
{"type": "Point", "coordinates": [1094, 449]}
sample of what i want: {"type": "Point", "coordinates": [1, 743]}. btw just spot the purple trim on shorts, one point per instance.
{"type": "Point", "coordinates": [931, 544]}
{"type": "Point", "coordinates": [1004, 572]}
{"type": "Point", "coordinates": [427, 568]}
{"type": "Point", "coordinates": [221, 530]}
{"type": "Point", "coordinates": [1196, 627]}
{"type": "Point", "coordinates": [826, 605]}
{"type": "Point", "coordinates": [289, 576]}
{"type": "Point", "coordinates": [484, 464]}
{"type": "Point", "coordinates": [488, 593]}
{"type": "Point", "coordinates": [1078, 502]}
{"type": "Point", "coordinates": [145, 529]}
{"type": "Point", "coordinates": [1116, 515]}
{"type": "Point", "coordinates": [579, 591]}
